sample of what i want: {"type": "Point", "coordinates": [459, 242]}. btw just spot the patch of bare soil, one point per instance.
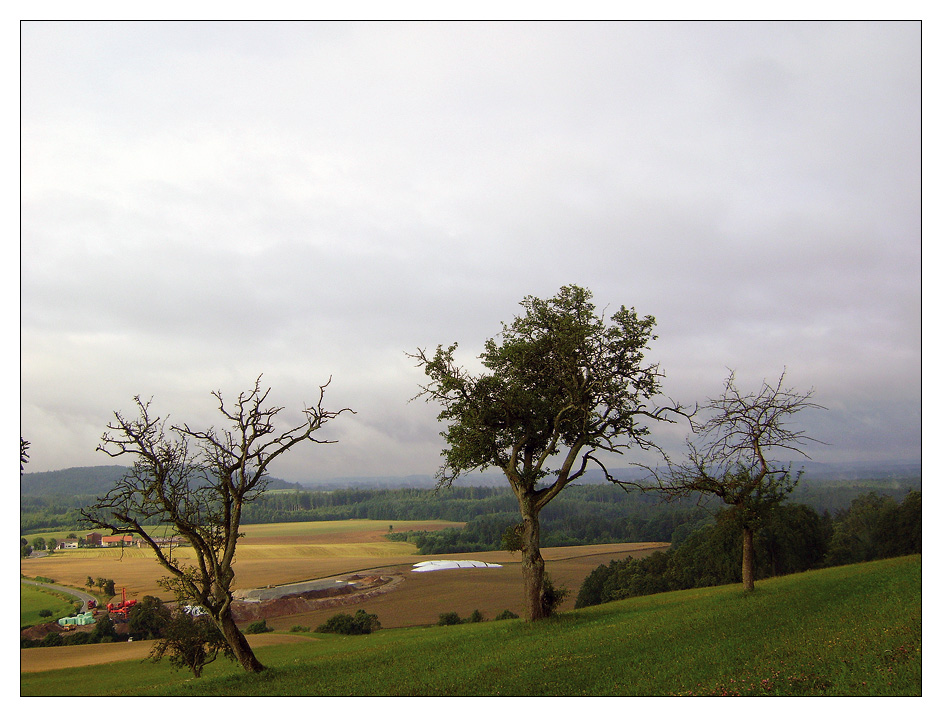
{"type": "Point", "coordinates": [359, 587]}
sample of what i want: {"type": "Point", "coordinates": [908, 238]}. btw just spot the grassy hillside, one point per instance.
{"type": "Point", "coordinates": [853, 630]}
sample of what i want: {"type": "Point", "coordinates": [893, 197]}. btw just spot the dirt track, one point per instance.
{"type": "Point", "coordinates": [40, 659]}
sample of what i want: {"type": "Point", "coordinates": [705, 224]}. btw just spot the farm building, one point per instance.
{"type": "Point", "coordinates": [69, 544]}
{"type": "Point", "coordinates": [109, 541]}
{"type": "Point", "coordinates": [93, 539]}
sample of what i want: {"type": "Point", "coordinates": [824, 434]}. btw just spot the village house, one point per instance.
{"type": "Point", "coordinates": [93, 540]}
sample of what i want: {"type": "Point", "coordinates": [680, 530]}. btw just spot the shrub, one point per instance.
{"type": "Point", "coordinates": [507, 615]}
{"type": "Point", "coordinates": [552, 596]}
{"type": "Point", "coordinates": [345, 624]}
{"type": "Point", "coordinates": [45, 613]}
{"type": "Point", "coordinates": [258, 627]}
{"type": "Point", "coordinates": [449, 618]}
{"type": "Point", "coordinates": [52, 639]}
{"type": "Point", "coordinates": [300, 628]}
{"type": "Point", "coordinates": [77, 638]}
{"type": "Point", "coordinates": [476, 616]}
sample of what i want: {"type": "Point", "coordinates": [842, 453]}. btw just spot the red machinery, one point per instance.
{"type": "Point", "coordinates": [122, 607]}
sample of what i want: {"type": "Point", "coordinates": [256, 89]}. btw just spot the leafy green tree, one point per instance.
{"type": "Point", "coordinates": [104, 630]}
{"type": "Point", "coordinates": [198, 482]}
{"type": "Point", "coordinates": [148, 618]}
{"type": "Point", "coordinates": [875, 527]}
{"type": "Point", "coordinates": [732, 458]}
{"type": "Point", "coordinates": [191, 642]}
{"type": "Point", "coordinates": [39, 543]}
{"type": "Point", "coordinates": [561, 388]}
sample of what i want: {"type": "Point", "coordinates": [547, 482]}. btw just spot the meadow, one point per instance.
{"type": "Point", "coordinates": [853, 630]}
{"type": "Point", "coordinates": [34, 600]}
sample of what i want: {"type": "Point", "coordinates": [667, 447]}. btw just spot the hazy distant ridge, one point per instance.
{"type": "Point", "coordinates": [97, 480]}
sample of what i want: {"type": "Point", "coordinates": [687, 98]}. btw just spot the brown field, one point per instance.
{"type": "Point", "coordinates": [40, 659]}
{"type": "Point", "coordinates": [294, 552]}
{"type": "Point", "coordinates": [421, 597]}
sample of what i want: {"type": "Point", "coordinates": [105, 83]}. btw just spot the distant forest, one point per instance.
{"type": "Point", "coordinates": [581, 515]}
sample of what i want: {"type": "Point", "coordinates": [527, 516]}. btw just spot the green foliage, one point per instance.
{"type": "Point", "coordinates": [104, 630]}
{"type": "Point", "coordinates": [449, 618]}
{"type": "Point", "coordinates": [551, 596]}
{"type": "Point", "coordinates": [507, 615]}
{"type": "Point", "coordinates": [453, 618]}
{"type": "Point", "coordinates": [876, 527]}
{"type": "Point", "coordinates": [794, 538]}
{"type": "Point", "coordinates": [191, 643]}
{"type": "Point", "coordinates": [148, 618]}
{"type": "Point", "coordinates": [361, 623]}
{"type": "Point", "coordinates": [300, 628]}
{"type": "Point", "coordinates": [52, 639]}
{"type": "Point", "coordinates": [257, 627]}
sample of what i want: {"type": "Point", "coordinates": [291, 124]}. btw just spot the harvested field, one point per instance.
{"type": "Point", "coordinates": [269, 554]}
{"type": "Point", "coordinates": [278, 554]}
{"type": "Point", "coordinates": [419, 598]}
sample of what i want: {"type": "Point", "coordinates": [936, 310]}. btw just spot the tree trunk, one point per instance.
{"type": "Point", "coordinates": [240, 646]}
{"type": "Point", "coordinates": [532, 563]}
{"type": "Point", "coordinates": [748, 561]}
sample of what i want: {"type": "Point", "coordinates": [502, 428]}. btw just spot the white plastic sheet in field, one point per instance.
{"type": "Point", "coordinates": [429, 565]}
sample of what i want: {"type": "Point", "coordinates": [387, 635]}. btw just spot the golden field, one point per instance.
{"type": "Point", "coordinates": [275, 554]}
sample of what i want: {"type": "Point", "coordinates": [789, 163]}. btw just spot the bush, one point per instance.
{"type": "Point", "coordinates": [345, 624]}
{"type": "Point", "coordinates": [52, 639]}
{"type": "Point", "coordinates": [258, 627]}
{"type": "Point", "coordinates": [45, 613]}
{"type": "Point", "coordinates": [300, 628]}
{"type": "Point", "coordinates": [552, 597]}
{"type": "Point", "coordinates": [449, 618]}
{"type": "Point", "coordinates": [476, 616]}
{"type": "Point", "coordinates": [507, 615]}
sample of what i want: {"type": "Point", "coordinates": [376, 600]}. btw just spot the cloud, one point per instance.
{"type": "Point", "coordinates": [204, 202]}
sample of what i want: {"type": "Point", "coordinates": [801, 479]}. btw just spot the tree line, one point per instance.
{"type": "Point", "coordinates": [792, 539]}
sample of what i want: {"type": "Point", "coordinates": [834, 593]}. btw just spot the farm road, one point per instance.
{"type": "Point", "coordinates": [83, 596]}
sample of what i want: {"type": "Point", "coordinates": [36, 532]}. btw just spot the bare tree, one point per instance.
{"type": "Point", "coordinates": [196, 484]}
{"type": "Point", "coordinates": [734, 456]}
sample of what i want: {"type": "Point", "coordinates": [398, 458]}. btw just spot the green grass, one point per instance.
{"type": "Point", "coordinates": [33, 599]}
{"type": "Point", "coordinates": [848, 631]}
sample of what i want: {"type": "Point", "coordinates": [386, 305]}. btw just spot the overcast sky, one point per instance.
{"type": "Point", "coordinates": [202, 203]}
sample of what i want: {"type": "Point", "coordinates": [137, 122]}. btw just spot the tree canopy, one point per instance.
{"type": "Point", "coordinates": [562, 388]}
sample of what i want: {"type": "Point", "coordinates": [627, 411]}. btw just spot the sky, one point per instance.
{"type": "Point", "coordinates": [202, 203]}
